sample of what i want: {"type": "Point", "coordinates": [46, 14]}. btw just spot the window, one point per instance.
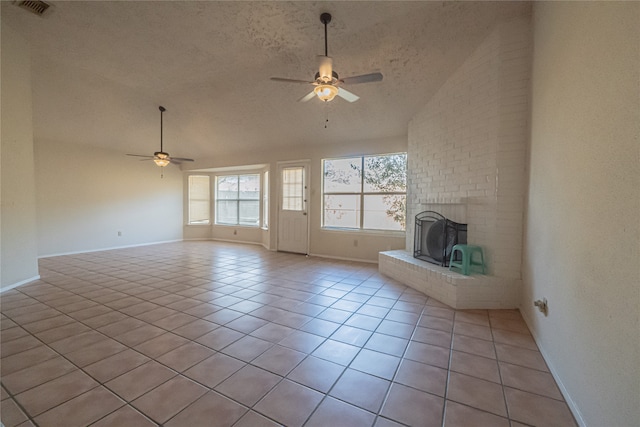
{"type": "Point", "coordinates": [199, 200]}
{"type": "Point", "coordinates": [293, 188]}
{"type": "Point", "coordinates": [238, 200]}
{"type": "Point", "coordinates": [265, 200]}
{"type": "Point", "coordinates": [367, 192]}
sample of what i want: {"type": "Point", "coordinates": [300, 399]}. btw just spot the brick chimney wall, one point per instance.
{"type": "Point", "coordinates": [468, 148]}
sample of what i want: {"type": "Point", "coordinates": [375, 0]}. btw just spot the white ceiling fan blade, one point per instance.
{"type": "Point", "coordinates": [325, 68]}
{"type": "Point", "coordinates": [365, 78]}
{"type": "Point", "coordinates": [282, 79]}
{"type": "Point", "coordinates": [140, 155]}
{"type": "Point", "coordinates": [307, 97]}
{"type": "Point", "coordinates": [347, 96]}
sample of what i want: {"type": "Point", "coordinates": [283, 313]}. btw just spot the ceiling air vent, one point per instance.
{"type": "Point", "coordinates": [34, 6]}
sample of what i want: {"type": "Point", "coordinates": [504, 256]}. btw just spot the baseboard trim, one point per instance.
{"type": "Point", "coordinates": [565, 393]}
{"type": "Point", "coordinates": [20, 283]}
{"type": "Point", "coordinates": [242, 242]}
{"type": "Point", "coordinates": [340, 258]}
{"type": "Point", "coordinates": [211, 239]}
{"type": "Point", "coordinates": [108, 249]}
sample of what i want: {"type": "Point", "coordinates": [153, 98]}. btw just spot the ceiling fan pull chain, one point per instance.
{"type": "Point", "coordinates": [326, 115]}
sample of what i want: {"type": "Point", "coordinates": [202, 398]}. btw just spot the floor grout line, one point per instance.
{"type": "Point", "coordinates": [177, 270]}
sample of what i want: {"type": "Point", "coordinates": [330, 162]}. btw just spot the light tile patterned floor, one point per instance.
{"type": "Point", "coordinates": [216, 334]}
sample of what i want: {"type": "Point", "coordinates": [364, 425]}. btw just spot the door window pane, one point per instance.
{"type": "Point", "coordinates": [293, 189]}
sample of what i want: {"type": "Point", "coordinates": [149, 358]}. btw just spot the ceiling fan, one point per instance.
{"type": "Point", "coordinates": [326, 81]}
{"type": "Point", "coordinates": [162, 158]}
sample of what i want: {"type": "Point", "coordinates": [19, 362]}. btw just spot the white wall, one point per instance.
{"type": "Point", "coordinates": [328, 243]}
{"type": "Point", "coordinates": [87, 195]}
{"type": "Point", "coordinates": [582, 237]}
{"type": "Point", "coordinates": [18, 216]}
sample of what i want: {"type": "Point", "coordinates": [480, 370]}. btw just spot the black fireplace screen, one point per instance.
{"type": "Point", "coordinates": [435, 236]}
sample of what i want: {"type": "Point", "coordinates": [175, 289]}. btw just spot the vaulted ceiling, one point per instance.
{"type": "Point", "coordinates": [101, 69]}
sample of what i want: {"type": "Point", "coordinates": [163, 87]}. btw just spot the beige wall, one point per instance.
{"type": "Point", "coordinates": [87, 195]}
{"type": "Point", "coordinates": [355, 245]}
{"type": "Point", "coordinates": [582, 234]}
{"type": "Point", "coordinates": [18, 216]}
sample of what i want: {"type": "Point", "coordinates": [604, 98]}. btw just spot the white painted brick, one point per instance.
{"type": "Point", "coordinates": [469, 141]}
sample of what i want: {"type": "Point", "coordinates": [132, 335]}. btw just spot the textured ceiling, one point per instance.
{"type": "Point", "coordinates": [100, 69]}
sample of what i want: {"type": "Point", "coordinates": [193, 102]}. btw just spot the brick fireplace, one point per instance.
{"type": "Point", "coordinates": [467, 160]}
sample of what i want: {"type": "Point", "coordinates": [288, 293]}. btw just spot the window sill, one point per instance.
{"type": "Point", "coordinates": [252, 227]}
{"type": "Point", "coordinates": [385, 233]}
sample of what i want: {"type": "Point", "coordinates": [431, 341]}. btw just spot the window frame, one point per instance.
{"type": "Point", "coordinates": [265, 200]}
{"type": "Point", "coordinates": [208, 220]}
{"type": "Point", "coordinates": [258, 199]}
{"type": "Point", "coordinates": [361, 194]}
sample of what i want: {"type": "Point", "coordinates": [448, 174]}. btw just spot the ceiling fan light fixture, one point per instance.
{"type": "Point", "coordinates": [326, 93]}
{"type": "Point", "coordinates": [327, 84]}
{"type": "Point", "coordinates": [161, 159]}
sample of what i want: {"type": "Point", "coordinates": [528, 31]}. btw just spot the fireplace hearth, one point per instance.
{"type": "Point", "coordinates": [435, 236]}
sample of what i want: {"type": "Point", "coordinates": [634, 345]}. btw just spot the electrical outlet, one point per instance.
{"type": "Point", "coordinates": [119, 233]}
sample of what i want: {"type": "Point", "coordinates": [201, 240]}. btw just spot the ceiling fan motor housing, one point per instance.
{"type": "Point", "coordinates": [334, 79]}
{"type": "Point", "coordinates": [327, 83]}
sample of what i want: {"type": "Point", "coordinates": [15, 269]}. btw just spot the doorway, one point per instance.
{"type": "Point", "coordinates": [293, 206]}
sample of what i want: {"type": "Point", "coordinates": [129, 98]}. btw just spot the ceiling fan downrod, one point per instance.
{"type": "Point", "coordinates": [162, 110]}
{"type": "Point", "coordinates": [325, 18]}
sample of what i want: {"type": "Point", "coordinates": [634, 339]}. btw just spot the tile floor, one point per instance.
{"type": "Point", "coordinates": [215, 334]}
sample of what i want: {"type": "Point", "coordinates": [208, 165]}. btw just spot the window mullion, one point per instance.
{"type": "Point", "coordinates": [238, 200]}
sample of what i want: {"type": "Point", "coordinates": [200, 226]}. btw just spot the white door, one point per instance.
{"type": "Point", "coordinates": [293, 221]}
